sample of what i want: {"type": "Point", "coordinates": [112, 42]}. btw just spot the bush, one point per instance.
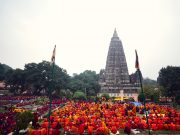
{"type": "Point", "coordinates": [174, 104]}
{"type": "Point", "coordinates": [22, 121]}
{"type": "Point", "coordinates": [131, 99]}
{"type": "Point", "coordinates": [79, 95]}
{"type": "Point", "coordinates": [91, 98]}
{"type": "Point", "coordinates": [113, 99]}
{"type": "Point", "coordinates": [106, 96]}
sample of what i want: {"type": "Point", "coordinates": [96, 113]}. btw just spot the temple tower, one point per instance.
{"type": "Point", "coordinates": [114, 79]}
{"type": "Point", "coordinates": [116, 71]}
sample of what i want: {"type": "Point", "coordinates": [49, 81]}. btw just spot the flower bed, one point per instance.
{"type": "Point", "coordinates": [7, 122]}
{"type": "Point", "coordinates": [96, 118]}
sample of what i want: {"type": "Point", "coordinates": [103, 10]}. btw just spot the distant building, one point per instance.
{"type": "Point", "coordinates": [115, 79]}
{"type": "Point", "coordinates": [2, 85]}
{"type": "Point", "coordinates": [3, 91]}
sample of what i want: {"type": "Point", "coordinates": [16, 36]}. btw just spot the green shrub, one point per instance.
{"type": "Point", "coordinates": [106, 96]}
{"type": "Point", "coordinates": [174, 104]}
{"type": "Point", "coordinates": [22, 121]}
{"type": "Point", "coordinates": [131, 99]}
{"type": "Point", "coordinates": [91, 98]}
{"type": "Point", "coordinates": [78, 95]}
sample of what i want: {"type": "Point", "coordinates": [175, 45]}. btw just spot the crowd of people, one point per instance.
{"type": "Point", "coordinates": [88, 117]}
{"type": "Point", "coordinates": [104, 118]}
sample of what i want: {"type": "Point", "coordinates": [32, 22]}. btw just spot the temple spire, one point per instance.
{"type": "Point", "coordinates": [116, 71]}
{"type": "Point", "coordinates": [115, 33]}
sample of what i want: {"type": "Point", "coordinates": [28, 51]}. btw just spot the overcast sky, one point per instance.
{"type": "Point", "coordinates": [82, 30]}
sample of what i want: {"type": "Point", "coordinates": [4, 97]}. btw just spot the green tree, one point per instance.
{"type": "Point", "coordinates": [39, 77]}
{"type": "Point", "coordinates": [151, 92]}
{"type": "Point", "coordinates": [169, 79]}
{"type": "Point", "coordinates": [64, 93]}
{"type": "Point", "coordinates": [3, 70]}
{"type": "Point", "coordinates": [15, 79]}
{"type": "Point", "coordinates": [79, 95]}
{"type": "Point", "coordinates": [86, 82]}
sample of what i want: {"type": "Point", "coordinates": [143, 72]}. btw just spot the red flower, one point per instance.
{"type": "Point", "coordinates": [90, 129]}
{"type": "Point", "coordinates": [100, 131]}
{"type": "Point", "coordinates": [81, 129]}
{"type": "Point", "coordinates": [114, 130]}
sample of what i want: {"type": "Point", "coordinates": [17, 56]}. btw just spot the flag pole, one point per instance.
{"type": "Point", "coordinates": [50, 88]}
{"type": "Point", "coordinates": [142, 90]}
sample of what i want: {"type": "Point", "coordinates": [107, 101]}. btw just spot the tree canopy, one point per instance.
{"type": "Point", "coordinates": [79, 95]}
{"type": "Point", "coordinates": [169, 79]}
{"type": "Point", "coordinates": [3, 70]}
{"type": "Point", "coordinates": [151, 90]}
{"type": "Point", "coordinates": [148, 81]}
{"type": "Point", "coordinates": [86, 82]}
{"type": "Point", "coordinates": [36, 78]}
